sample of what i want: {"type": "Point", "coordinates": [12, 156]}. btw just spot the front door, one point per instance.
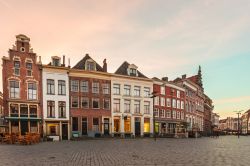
{"type": "Point", "coordinates": [65, 131]}
{"type": "Point", "coordinates": [24, 127]}
{"type": "Point", "coordinates": [84, 126]}
{"type": "Point", "coordinates": [137, 127]}
{"type": "Point", "coordinates": [106, 126]}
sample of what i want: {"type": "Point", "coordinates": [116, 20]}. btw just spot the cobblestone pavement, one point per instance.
{"type": "Point", "coordinates": [226, 151]}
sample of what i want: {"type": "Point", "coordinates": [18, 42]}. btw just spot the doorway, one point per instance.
{"type": "Point", "coordinates": [106, 126]}
{"type": "Point", "coordinates": [84, 126]}
{"type": "Point", "coordinates": [64, 131]}
{"type": "Point", "coordinates": [24, 127]}
{"type": "Point", "coordinates": [137, 127]}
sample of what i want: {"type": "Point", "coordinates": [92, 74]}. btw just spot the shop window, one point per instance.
{"type": "Point", "coordinates": [146, 125]}
{"type": "Point", "coordinates": [33, 127]}
{"type": "Point", "coordinates": [127, 125]}
{"type": "Point", "coordinates": [14, 110]}
{"type": "Point", "coordinates": [116, 125]}
{"type": "Point", "coordinates": [14, 127]}
{"type": "Point", "coordinates": [33, 111]}
{"type": "Point", "coordinates": [52, 130]}
{"type": "Point", "coordinates": [95, 124]}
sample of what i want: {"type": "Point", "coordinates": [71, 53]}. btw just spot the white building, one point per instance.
{"type": "Point", "coordinates": [56, 100]}
{"type": "Point", "coordinates": [132, 107]}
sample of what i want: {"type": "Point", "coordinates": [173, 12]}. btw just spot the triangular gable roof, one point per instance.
{"type": "Point", "coordinates": [122, 70]}
{"type": "Point", "coordinates": [81, 64]}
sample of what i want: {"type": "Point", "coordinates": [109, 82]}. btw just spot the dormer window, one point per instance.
{"type": "Point", "coordinates": [56, 61]}
{"type": "Point", "coordinates": [90, 65]}
{"type": "Point", "coordinates": [132, 72]}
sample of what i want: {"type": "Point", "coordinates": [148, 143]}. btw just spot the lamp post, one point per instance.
{"type": "Point", "coordinates": [238, 113]}
{"type": "Point", "coordinates": [153, 97]}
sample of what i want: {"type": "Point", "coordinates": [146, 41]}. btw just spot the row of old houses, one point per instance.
{"type": "Point", "coordinates": [63, 101]}
{"type": "Point", "coordinates": [235, 125]}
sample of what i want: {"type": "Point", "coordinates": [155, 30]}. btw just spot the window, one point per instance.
{"type": "Point", "coordinates": [162, 113]}
{"type": "Point", "coordinates": [116, 88]}
{"type": "Point", "coordinates": [90, 66]}
{"type": "Point", "coordinates": [146, 92]}
{"type": "Point", "coordinates": [62, 109]}
{"type": "Point", "coordinates": [14, 89]}
{"type": "Point", "coordinates": [85, 102]}
{"type": "Point", "coordinates": [84, 86]}
{"type": "Point", "coordinates": [14, 110]}
{"type": "Point", "coordinates": [95, 124]}
{"type": "Point", "coordinates": [106, 104]}
{"type": "Point", "coordinates": [116, 105]}
{"type": "Point", "coordinates": [33, 111]}
{"type": "Point", "coordinates": [137, 106]}
{"type": "Point", "coordinates": [127, 125]}
{"type": "Point", "coordinates": [137, 90]}
{"type": "Point", "coordinates": [132, 72]}
{"type": "Point", "coordinates": [156, 112]}
{"type": "Point", "coordinates": [182, 115]}
{"type": "Point", "coordinates": [174, 114]}
{"type": "Point", "coordinates": [75, 123]}
{"type": "Point", "coordinates": [162, 90]}
{"type": "Point", "coordinates": [56, 61]}
{"type": "Point", "coordinates": [95, 87]}
{"type": "Point", "coordinates": [168, 114]}
{"type": "Point", "coordinates": [168, 102]}
{"type": "Point", "coordinates": [74, 102]}
{"type": "Point", "coordinates": [178, 94]}
{"type": "Point", "coordinates": [178, 115]}
{"type": "Point", "coordinates": [146, 125]}
{"type": "Point", "coordinates": [51, 109]}
{"type": "Point", "coordinates": [29, 68]}
{"type": "Point", "coordinates": [32, 91]}
{"type": "Point", "coordinates": [74, 85]}
{"type": "Point", "coordinates": [17, 68]}
{"type": "Point", "coordinates": [96, 103]}
{"type": "Point", "coordinates": [127, 104]}
{"type": "Point", "coordinates": [178, 104]}
{"type": "Point", "coordinates": [127, 89]}
{"type": "Point", "coordinates": [105, 88]}
{"type": "Point", "coordinates": [61, 87]}
{"type": "Point", "coordinates": [50, 87]}
{"type": "Point", "coordinates": [174, 103]}
{"type": "Point", "coordinates": [182, 105]}
{"type": "Point", "coordinates": [146, 107]}
{"type": "Point", "coordinates": [156, 100]}
{"type": "Point", "coordinates": [163, 101]}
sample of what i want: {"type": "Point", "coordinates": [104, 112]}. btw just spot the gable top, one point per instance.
{"type": "Point", "coordinates": [22, 37]}
{"type": "Point", "coordinates": [123, 70]}
{"type": "Point", "coordinates": [82, 64]}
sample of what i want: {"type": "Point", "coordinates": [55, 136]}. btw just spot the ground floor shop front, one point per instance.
{"type": "Point", "coordinates": [132, 126]}
{"type": "Point", "coordinates": [56, 130]}
{"type": "Point", "coordinates": [91, 126]}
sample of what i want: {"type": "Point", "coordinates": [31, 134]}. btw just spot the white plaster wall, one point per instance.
{"type": "Point", "coordinates": [55, 76]}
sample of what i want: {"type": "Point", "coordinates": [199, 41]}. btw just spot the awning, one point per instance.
{"type": "Point", "coordinates": [23, 118]}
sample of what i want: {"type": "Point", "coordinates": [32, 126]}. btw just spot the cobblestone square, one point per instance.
{"type": "Point", "coordinates": [227, 150]}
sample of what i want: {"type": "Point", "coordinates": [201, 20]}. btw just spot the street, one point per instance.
{"type": "Point", "coordinates": [226, 150]}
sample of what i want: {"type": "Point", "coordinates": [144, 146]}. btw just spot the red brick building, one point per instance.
{"type": "Point", "coordinates": [194, 101]}
{"type": "Point", "coordinates": [208, 110]}
{"type": "Point", "coordinates": [90, 96]}
{"type": "Point", "coordinates": [22, 86]}
{"type": "Point", "coordinates": [169, 107]}
{"type": "Point", "coordinates": [2, 126]}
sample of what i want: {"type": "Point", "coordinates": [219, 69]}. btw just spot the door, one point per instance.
{"type": "Point", "coordinates": [64, 131]}
{"type": "Point", "coordinates": [106, 126]}
{"type": "Point", "coordinates": [84, 126]}
{"type": "Point", "coordinates": [24, 127]}
{"type": "Point", "coordinates": [137, 127]}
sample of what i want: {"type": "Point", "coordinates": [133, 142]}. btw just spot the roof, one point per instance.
{"type": "Point", "coordinates": [81, 64]}
{"type": "Point", "coordinates": [194, 79]}
{"type": "Point", "coordinates": [223, 121]}
{"type": "Point", "coordinates": [122, 70]}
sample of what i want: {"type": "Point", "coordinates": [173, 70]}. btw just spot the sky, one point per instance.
{"type": "Point", "coordinates": [162, 37]}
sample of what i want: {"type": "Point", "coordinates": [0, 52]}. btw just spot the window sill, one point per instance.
{"type": "Point", "coordinates": [51, 117]}
{"type": "Point", "coordinates": [50, 94]}
{"type": "Point", "coordinates": [62, 94]}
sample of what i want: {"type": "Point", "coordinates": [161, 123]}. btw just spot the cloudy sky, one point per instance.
{"type": "Point", "coordinates": [162, 37]}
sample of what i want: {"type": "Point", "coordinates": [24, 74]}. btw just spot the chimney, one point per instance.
{"type": "Point", "coordinates": [40, 60]}
{"type": "Point", "coordinates": [63, 60]}
{"type": "Point", "coordinates": [104, 65]}
{"type": "Point", "coordinates": [184, 76]}
{"type": "Point", "coordinates": [164, 79]}
{"type": "Point", "coordinates": [69, 62]}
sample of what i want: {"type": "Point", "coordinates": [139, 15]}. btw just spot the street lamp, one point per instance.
{"type": "Point", "coordinates": [153, 97]}
{"type": "Point", "coordinates": [238, 113]}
